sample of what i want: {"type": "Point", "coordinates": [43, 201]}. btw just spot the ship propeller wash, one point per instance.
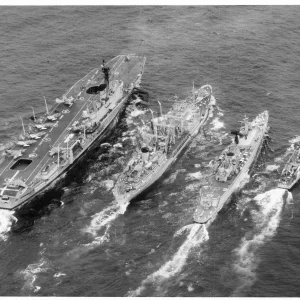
{"type": "Point", "coordinates": [291, 171]}
{"type": "Point", "coordinates": [160, 143]}
{"type": "Point", "coordinates": [81, 118]}
{"type": "Point", "coordinates": [230, 169]}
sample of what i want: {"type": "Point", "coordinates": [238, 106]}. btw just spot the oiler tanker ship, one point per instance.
{"type": "Point", "coordinates": [230, 170]}
{"type": "Point", "coordinates": [161, 143]}
{"type": "Point", "coordinates": [56, 141]}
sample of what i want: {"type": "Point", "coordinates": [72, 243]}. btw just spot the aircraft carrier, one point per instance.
{"type": "Point", "coordinates": [161, 142]}
{"type": "Point", "coordinates": [230, 169]}
{"type": "Point", "coordinates": [81, 118]}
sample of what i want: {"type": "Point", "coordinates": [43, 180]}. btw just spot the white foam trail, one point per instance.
{"type": "Point", "coordinates": [197, 235]}
{"type": "Point", "coordinates": [103, 218]}
{"type": "Point", "coordinates": [99, 221]}
{"type": "Point", "coordinates": [272, 168]}
{"type": "Point", "coordinates": [59, 274]}
{"type": "Point", "coordinates": [193, 176]}
{"type": "Point", "coordinates": [108, 184]}
{"type": "Point", "coordinates": [136, 112]}
{"type": "Point", "coordinates": [217, 124]}
{"type": "Point", "coordinates": [295, 140]}
{"type": "Point", "coordinates": [173, 176]}
{"type": "Point", "coordinates": [266, 220]}
{"type": "Point", "coordinates": [30, 274]}
{"type": "Point", "coordinates": [6, 220]}
{"type": "Point", "coordinates": [193, 186]}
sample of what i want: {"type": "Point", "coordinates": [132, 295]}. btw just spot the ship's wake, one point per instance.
{"type": "Point", "coordinates": [101, 222]}
{"type": "Point", "coordinates": [266, 220]}
{"type": "Point", "coordinates": [31, 273]}
{"type": "Point", "coordinates": [217, 124]}
{"type": "Point", "coordinates": [197, 234]}
{"type": "Point", "coordinates": [7, 219]}
{"type": "Point", "coordinates": [103, 218]}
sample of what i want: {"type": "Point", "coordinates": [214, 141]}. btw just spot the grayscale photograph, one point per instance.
{"type": "Point", "coordinates": [150, 150]}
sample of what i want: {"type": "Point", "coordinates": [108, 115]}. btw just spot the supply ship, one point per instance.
{"type": "Point", "coordinates": [230, 169]}
{"type": "Point", "coordinates": [81, 118]}
{"type": "Point", "coordinates": [161, 142]}
{"type": "Point", "coordinates": [291, 172]}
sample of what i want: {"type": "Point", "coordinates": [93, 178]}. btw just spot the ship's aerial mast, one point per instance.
{"type": "Point", "coordinates": [160, 108]}
{"type": "Point", "coordinates": [23, 126]}
{"type": "Point", "coordinates": [152, 113]}
{"type": "Point", "coordinates": [33, 114]}
{"type": "Point", "coordinates": [57, 156]}
{"type": "Point", "coordinates": [46, 105]}
{"type": "Point", "coordinates": [193, 93]}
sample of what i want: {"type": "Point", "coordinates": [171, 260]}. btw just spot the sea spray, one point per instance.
{"type": "Point", "coordinates": [194, 176]}
{"type": "Point", "coordinates": [99, 221]}
{"type": "Point", "coordinates": [266, 221]}
{"type": "Point", "coordinates": [30, 274]}
{"type": "Point", "coordinates": [217, 124]}
{"type": "Point", "coordinates": [272, 168]}
{"type": "Point", "coordinates": [197, 235]}
{"type": "Point", "coordinates": [7, 218]}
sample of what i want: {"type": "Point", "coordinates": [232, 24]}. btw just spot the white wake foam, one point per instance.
{"type": "Point", "coordinates": [30, 274]}
{"type": "Point", "coordinates": [194, 176]}
{"type": "Point", "coordinates": [217, 124]}
{"type": "Point", "coordinates": [6, 220]}
{"type": "Point", "coordinates": [136, 112]}
{"type": "Point", "coordinates": [295, 140]}
{"type": "Point", "coordinates": [272, 168]}
{"type": "Point", "coordinates": [260, 188]}
{"type": "Point", "coordinates": [173, 176]}
{"type": "Point", "coordinates": [99, 221]}
{"type": "Point", "coordinates": [197, 235]}
{"type": "Point", "coordinates": [103, 218]}
{"type": "Point", "coordinates": [266, 221]}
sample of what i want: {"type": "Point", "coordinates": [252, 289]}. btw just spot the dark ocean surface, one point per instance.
{"type": "Point", "coordinates": [78, 243]}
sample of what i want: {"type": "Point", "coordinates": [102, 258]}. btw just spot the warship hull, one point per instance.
{"type": "Point", "coordinates": [291, 172]}
{"type": "Point", "coordinates": [218, 194]}
{"type": "Point", "coordinates": [127, 69]}
{"type": "Point", "coordinates": [165, 164]}
{"type": "Point", "coordinates": [290, 185]}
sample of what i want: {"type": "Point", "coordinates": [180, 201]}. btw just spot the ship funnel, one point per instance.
{"type": "Point", "coordinates": [145, 153]}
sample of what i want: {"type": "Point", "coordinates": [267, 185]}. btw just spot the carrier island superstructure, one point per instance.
{"type": "Point", "coordinates": [161, 142]}
{"type": "Point", "coordinates": [57, 140]}
{"type": "Point", "coordinates": [230, 170]}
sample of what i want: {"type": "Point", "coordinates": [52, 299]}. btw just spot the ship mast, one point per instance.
{"type": "Point", "coordinates": [160, 108]}
{"type": "Point", "coordinates": [23, 126]}
{"type": "Point", "coordinates": [57, 156]}
{"type": "Point", "coordinates": [33, 114]}
{"type": "Point", "coordinates": [193, 91]}
{"type": "Point", "coordinates": [46, 105]}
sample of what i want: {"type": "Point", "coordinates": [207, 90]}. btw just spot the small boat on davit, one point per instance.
{"type": "Point", "coordinates": [162, 141]}
{"type": "Point", "coordinates": [56, 141]}
{"type": "Point", "coordinates": [230, 169]}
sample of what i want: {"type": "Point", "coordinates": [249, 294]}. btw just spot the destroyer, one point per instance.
{"type": "Point", "coordinates": [161, 143]}
{"type": "Point", "coordinates": [230, 170]}
{"type": "Point", "coordinates": [291, 171]}
{"type": "Point", "coordinates": [56, 141]}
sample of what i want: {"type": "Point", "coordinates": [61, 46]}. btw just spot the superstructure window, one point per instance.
{"type": "Point", "coordinates": [21, 164]}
